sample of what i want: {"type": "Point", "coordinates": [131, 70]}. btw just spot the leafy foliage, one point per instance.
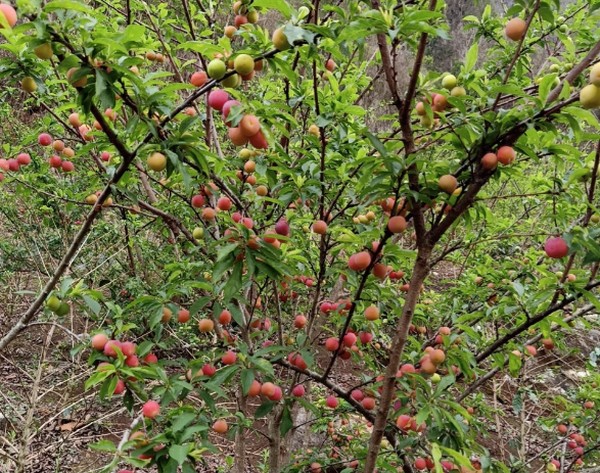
{"type": "Point", "coordinates": [204, 253]}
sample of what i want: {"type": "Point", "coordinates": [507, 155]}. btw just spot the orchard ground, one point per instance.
{"type": "Point", "coordinates": [72, 420]}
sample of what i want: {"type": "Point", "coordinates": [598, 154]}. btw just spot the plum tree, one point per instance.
{"type": "Point", "coordinates": [282, 228]}
{"type": "Point", "coordinates": [300, 321]}
{"type": "Point", "coordinates": [75, 77]}
{"type": "Point", "coordinates": [331, 402]}
{"type": "Point", "coordinates": [227, 108]}
{"type": "Point", "coordinates": [229, 358]}
{"type": "Point", "coordinates": [44, 139]}
{"type": "Point", "coordinates": [327, 204]}
{"type": "Point", "coordinates": [224, 203]}
{"type": "Point", "coordinates": [249, 125]}
{"type": "Point", "coordinates": [220, 426]}
{"type": "Point", "coordinates": [23, 159]}
{"type": "Point", "coordinates": [298, 390]}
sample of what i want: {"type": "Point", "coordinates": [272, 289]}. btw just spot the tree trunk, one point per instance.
{"type": "Point", "coordinates": [275, 441]}
{"type": "Point", "coordinates": [239, 465]}
{"type": "Point", "coordinates": [420, 271]}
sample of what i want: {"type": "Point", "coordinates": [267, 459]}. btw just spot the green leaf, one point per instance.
{"type": "Point", "coordinates": [133, 33]}
{"type": "Point", "coordinates": [208, 397]}
{"type": "Point", "coordinates": [369, 23]}
{"type": "Point", "coordinates": [136, 462]}
{"type": "Point", "coordinates": [518, 287]}
{"type": "Point", "coordinates": [187, 468]}
{"type": "Point", "coordinates": [591, 297]}
{"type": "Point", "coordinates": [66, 284]}
{"type": "Point", "coordinates": [104, 92]}
{"type": "Point", "coordinates": [514, 364]}
{"type": "Point", "coordinates": [297, 35]}
{"type": "Point", "coordinates": [155, 316]}
{"type": "Point", "coordinates": [222, 266]}
{"type": "Point", "coordinates": [179, 453]}
{"type": "Point", "coordinates": [458, 408]}
{"type": "Point", "coordinates": [445, 382]}
{"type": "Point", "coordinates": [223, 375]}
{"type": "Point", "coordinates": [546, 85]}
{"type": "Point", "coordinates": [237, 315]}
{"type": "Point", "coordinates": [437, 456]}
{"type": "Point", "coordinates": [108, 387]}
{"type": "Point", "coordinates": [517, 403]}
{"type": "Point", "coordinates": [280, 5]}
{"type": "Point", "coordinates": [92, 304]}
{"type": "Point", "coordinates": [376, 143]}
{"type": "Point", "coordinates": [234, 283]}
{"type": "Point", "coordinates": [247, 378]}
{"type": "Point", "coordinates": [226, 250]}
{"type": "Point", "coordinates": [423, 415]}
{"type": "Point", "coordinates": [182, 420]}
{"type": "Point", "coordinates": [206, 48]}
{"type": "Point", "coordinates": [264, 409]}
{"type": "Point", "coordinates": [71, 5]}
{"type": "Point", "coordinates": [263, 365]}
{"type": "Point", "coordinates": [471, 57]}
{"type": "Point", "coordinates": [199, 304]}
{"type": "Point", "coordinates": [461, 459]}
{"type": "Point", "coordinates": [99, 376]}
{"type": "Point", "coordinates": [286, 422]}
{"type": "Point", "coordinates": [582, 115]}
{"type": "Point", "coordinates": [104, 446]}
{"type": "Point", "coordinates": [189, 432]}
{"type": "Point", "coordinates": [283, 67]}
{"type": "Point", "coordinates": [128, 400]}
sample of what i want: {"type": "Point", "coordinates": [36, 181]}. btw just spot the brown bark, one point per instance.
{"type": "Point", "coordinates": [239, 465]}
{"type": "Point", "coordinates": [275, 440]}
{"type": "Point", "coordinates": [420, 271]}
